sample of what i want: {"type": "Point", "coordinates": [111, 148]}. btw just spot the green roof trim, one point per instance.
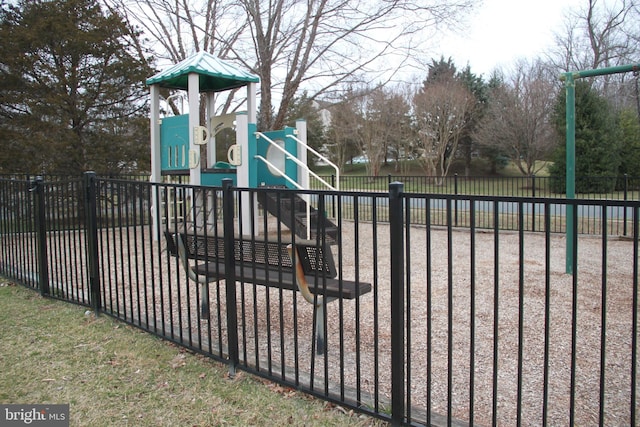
{"type": "Point", "coordinates": [215, 74]}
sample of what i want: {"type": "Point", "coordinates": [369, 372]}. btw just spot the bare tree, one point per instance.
{"type": "Point", "coordinates": [327, 43]}
{"type": "Point", "coordinates": [318, 45]}
{"type": "Point", "coordinates": [441, 110]}
{"type": "Point", "coordinates": [400, 141]}
{"type": "Point", "coordinates": [518, 118]}
{"type": "Point", "coordinates": [373, 123]}
{"type": "Point", "coordinates": [345, 122]}
{"type": "Point", "coordinates": [385, 123]}
{"type": "Point", "coordinates": [176, 29]}
{"type": "Point", "coordinates": [603, 34]}
{"type": "Point", "coordinates": [600, 34]}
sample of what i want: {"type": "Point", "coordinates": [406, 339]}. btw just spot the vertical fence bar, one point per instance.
{"type": "Point", "coordinates": [230, 279]}
{"type": "Point", "coordinates": [533, 205]}
{"type": "Point", "coordinates": [409, 354]}
{"type": "Point", "coordinates": [634, 319]}
{"type": "Point", "coordinates": [472, 306]}
{"type": "Point", "coordinates": [455, 206]}
{"type": "Point", "coordinates": [603, 316]}
{"type": "Point", "coordinates": [496, 306]}
{"type": "Point", "coordinates": [429, 264]}
{"type": "Point", "coordinates": [572, 231]}
{"type": "Point", "coordinates": [624, 210]}
{"type": "Point", "coordinates": [41, 232]}
{"type": "Point", "coordinates": [521, 261]}
{"type": "Point", "coordinates": [91, 230]}
{"type": "Point", "coordinates": [450, 310]}
{"type": "Point", "coordinates": [397, 302]}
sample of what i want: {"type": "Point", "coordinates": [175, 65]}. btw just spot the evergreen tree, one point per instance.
{"type": "Point", "coordinates": [480, 91]}
{"type": "Point", "coordinates": [630, 143]}
{"type": "Point", "coordinates": [72, 93]}
{"type": "Point", "coordinates": [597, 143]}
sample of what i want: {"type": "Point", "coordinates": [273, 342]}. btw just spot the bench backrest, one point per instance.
{"type": "Point", "coordinates": [314, 259]}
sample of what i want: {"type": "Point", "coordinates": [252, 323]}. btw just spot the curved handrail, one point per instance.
{"type": "Point", "coordinates": [298, 161]}
{"type": "Point", "coordinates": [324, 159]}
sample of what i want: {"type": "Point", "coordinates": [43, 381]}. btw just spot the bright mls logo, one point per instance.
{"type": "Point", "coordinates": [34, 415]}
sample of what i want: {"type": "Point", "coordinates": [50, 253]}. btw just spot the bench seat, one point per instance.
{"type": "Point", "coordinates": [285, 279]}
{"type": "Point", "coordinates": [268, 263]}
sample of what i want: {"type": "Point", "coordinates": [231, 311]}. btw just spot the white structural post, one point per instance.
{"type": "Point", "coordinates": [252, 107]}
{"type": "Point", "coordinates": [242, 171]}
{"type": "Point", "coordinates": [211, 145]}
{"type": "Point", "coordinates": [156, 162]}
{"type": "Point", "coordinates": [194, 121]}
{"type": "Point", "coordinates": [303, 173]}
{"type": "Point", "coordinates": [242, 139]}
{"type": "Point", "coordinates": [252, 111]}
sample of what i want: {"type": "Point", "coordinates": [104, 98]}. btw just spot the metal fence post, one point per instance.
{"type": "Point", "coordinates": [533, 205]}
{"type": "Point", "coordinates": [91, 230]}
{"type": "Point", "coordinates": [41, 233]}
{"type": "Point", "coordinates": [396, 219]}
{"type": "Point", "coordinates": [455, 206]}
{"type": "Point", "coordinates": [230, 278]}
{"type": "Point", "coordinates": [626, 189]}
{"type": "Point", "coordinates": [335, 199]}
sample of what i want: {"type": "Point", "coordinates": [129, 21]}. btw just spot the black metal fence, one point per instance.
{"type": "Point", "coordinates": [462, 324]}
{"type": "Point", "coordinates": [622, 187]}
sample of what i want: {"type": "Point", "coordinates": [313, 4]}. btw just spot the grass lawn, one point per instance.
{"type": "Point", "coordinates": [115, 375]}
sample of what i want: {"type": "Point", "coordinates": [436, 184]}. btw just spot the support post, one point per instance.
{"type": "Point", "coordinates": [569, 83]}
{"type": "Point", "coordinates": [156, 158]}
{"type": "Point", "coordinates": [194, 120]}
{"type": "Point", "coordinates": [91, 230]}
{"type": "Point", "coordinates": [396, 219]}
{"type": "Point", "coordinates": [303, 173]}
{"type": "Point", "coordinates": [626, 197]}
{"type": "Point", "coordinates": [230, 278]}
{"type": "Point", "coordinates": [570, 88]}
{"type": "Point", "coordinates": [41, 232]}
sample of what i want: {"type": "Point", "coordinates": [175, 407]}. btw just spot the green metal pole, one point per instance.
{"type": "Point", "coordinates": [570, 87]}
{"type": "Point", "coordinates": [602, 71]}
{"type": "Point", "coordinates": [571, 165]}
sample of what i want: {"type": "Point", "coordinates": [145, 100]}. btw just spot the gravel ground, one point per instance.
{"type": "Point", "coordinates": [358, 356]}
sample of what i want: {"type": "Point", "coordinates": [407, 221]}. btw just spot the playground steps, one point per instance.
{"type": "Point", "coordinates": [289, 210]}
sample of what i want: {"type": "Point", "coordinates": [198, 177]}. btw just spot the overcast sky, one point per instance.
{"type": "Point", "coordinates": [501, 31]}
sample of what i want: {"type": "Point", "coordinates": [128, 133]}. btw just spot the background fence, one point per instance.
{"type": "Point", "coordinates": [622, 187]}
{"type": "Point", "coordinates": [466, 322]}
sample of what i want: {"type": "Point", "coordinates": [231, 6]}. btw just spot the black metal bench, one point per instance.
{"type": "Point", "coordinates": [309, 269]}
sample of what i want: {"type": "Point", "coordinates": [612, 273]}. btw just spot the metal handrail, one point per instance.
{"type": "Point", "coordinates": [324, 159]}
{"type": "Point", "coordinates": [298, 162]}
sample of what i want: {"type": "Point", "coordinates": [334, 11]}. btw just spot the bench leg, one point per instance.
{"type": "Point", "coordinates": [204, 284]}
{"type": "Point", "coordinates": [204, 300]}
{"type": "Point", "coordinates": [321, 336]}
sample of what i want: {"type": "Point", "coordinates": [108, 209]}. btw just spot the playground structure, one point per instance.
{"type": "Point", "coordinates": [275, 158]}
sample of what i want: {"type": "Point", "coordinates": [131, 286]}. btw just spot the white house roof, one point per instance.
{"type": "Point", "coordinates": [215, 74]}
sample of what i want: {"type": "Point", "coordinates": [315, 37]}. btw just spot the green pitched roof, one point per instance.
{"type": "Point", "coordinates": [215, 74]}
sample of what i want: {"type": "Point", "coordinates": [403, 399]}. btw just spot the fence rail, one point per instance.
{"type": "Point", "coordinates": [466, 322]}
{"type": "Point", "coordinates": [622, 187]}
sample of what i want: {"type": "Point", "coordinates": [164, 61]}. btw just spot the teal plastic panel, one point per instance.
{"type": "Point", "coordinates": [174, 143]}
{"type": "Point", "coordinates": [214, 179]}
{"type": "Point", "coordinates": [269, 177]}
